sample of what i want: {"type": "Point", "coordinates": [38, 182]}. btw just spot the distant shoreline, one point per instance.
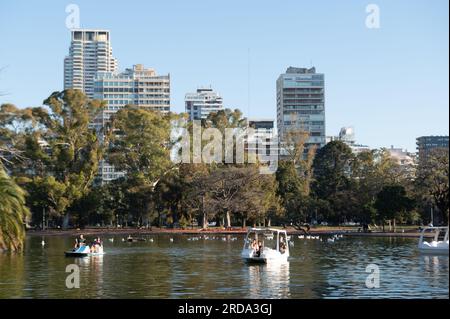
{"type": "Point", "coordinates": [217, 231]}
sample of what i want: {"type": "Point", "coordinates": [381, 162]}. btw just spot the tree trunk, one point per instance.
{"type": "Point", "coordinates": [205, 216]}
{"type": "Point", "coordinates": [269, 222]}
{"type": "Point", "coordinates": [395, 226]}
{"type": "Point", "coordinates": [205, 221]}
{"type": "Point", "coordinates": [390, 225]}
{"type": "Point", "coordinates": [228, 220]}
{"type": "Point", "coordinates": [244, 222]}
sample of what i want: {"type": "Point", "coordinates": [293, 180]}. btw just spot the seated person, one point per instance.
{"type": "Point", "coordinates": [282, 246]}
{"type": "Point", "coordinates": [254, 246]}
{"type": "Point", "coordinates": [96, 245]}
{"type": "Point", "coordinates": [80, 241]}
{"type": "Point", "coordinates": [260, 248]}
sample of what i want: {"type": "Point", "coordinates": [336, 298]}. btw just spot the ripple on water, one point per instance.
{"type": "Point", "coordinates": [213, 269]}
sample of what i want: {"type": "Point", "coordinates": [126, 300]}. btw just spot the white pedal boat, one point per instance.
{"type": "Point", "coordinates": [272, 250]}
{"type": "Point", "coordinates": [84, 251]}
{"type": "Point", "coordinates": [435, 246]}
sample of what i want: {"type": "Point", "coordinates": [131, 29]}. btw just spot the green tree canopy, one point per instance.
{"type": "Point", "coordinates": [332, 169]}
{"type": "Point", "coordinates": [391, 202]}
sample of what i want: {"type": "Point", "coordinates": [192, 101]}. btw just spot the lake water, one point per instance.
{"type": "Point", "coordinates": [213, 269]}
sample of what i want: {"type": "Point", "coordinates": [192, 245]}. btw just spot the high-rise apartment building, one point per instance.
{"type": "Point", "coordinates": [264, 139]}
{"type": "Point", "coordinates": [301, 104]}
{"type": "Point", "coordinates": [137, 86]}
{"type": "Point", "coordinates": [201, 103]}
{"type": "Point", "coordinates": [90, 52]}
{"type": "Point", "coordinates": [426, 144]}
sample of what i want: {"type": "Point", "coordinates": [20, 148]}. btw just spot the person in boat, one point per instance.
{"type": "Point", "coordinates": [254, 246]}
{"type": "Point", "coordinates": [260, 248]}
{"type": "Point", "coordinates": [282, 245]}
{"type": "Point", "coordinates": [80, 241]}
{"type": "Point", "coordinates": [96, 244]}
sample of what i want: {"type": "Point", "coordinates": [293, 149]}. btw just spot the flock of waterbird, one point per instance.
{"type": "Point", "coordinates": [191, 238]}
{"type": "Point", "coordinates": [331, 239]}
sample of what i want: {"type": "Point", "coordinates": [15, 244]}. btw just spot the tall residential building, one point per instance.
{"type": "Point", "coordinates": [90, 52]}
{"type": "Point", "coordinates": [301, 104]}
{"type": "Point", "coordinates": [264, 136]}
{"type": "Point", "coordinates": [201, 103]}
{"type": "Point", "coordinates": [426, 144]}
{"type": "Point", "coordinates": [137, 86]}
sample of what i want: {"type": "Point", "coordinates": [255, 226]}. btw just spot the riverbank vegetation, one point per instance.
{"type": "Point", "coordinates": [53, 153]}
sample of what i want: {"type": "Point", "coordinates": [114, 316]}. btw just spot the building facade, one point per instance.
{"type": "Point", "coordinates": [137, 86]}
{"type": "Point", "coordinates": [264, 137]}
{"type": "Point", "coordinates": [301, 104]}
{"type": "Point", "coordinates": [199, 104]}
{"type": "Point", "coordinates": [426, 144]}
{"type": "Point", "coordinates": [90, 52]}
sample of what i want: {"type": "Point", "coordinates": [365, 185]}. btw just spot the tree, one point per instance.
{"type": "Point", "coordinates": [370, 172]}
{"type": "Point", "coordinates": [46, 195]}
{"type": "Point", "coordinates": [332, 180]}
{"type": "Point", "coordinates": [60, 150]}
{"type": "Point", "coordinates": [193, 179]}
{"type": "Point", "coordinates": [391, 202]}
{"type": "Point", "coordinates": [292, 193]}
{"type": "Point", "coordinates": [115, 202]}
{"type": "Point", "coordinates": [332, 169]}
{"type": "Point", "coordinates": [140, 145]}
{"type": "Point", "coordinates": [294, 177]}
{"type": "Point", "coordinates": [432, 181]}
{"type": "Point", "coordinates": [231, 189]}
{"type": "Point", "coordinates": [13, 213]}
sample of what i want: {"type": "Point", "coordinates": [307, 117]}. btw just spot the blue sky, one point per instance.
{"type": "Point", "coordinates": [390, 84]}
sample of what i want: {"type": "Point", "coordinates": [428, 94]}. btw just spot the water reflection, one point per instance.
{"type": "Point", "coordinates": [212, 268]}
{"type": "Point", "coordinates": [268, 280]}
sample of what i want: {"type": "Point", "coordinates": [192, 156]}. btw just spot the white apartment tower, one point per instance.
{"type": "Point", "coordinates": [301, 104]}
{"type": "Point", "coordinates": [135, 86]}
{"type": "Point", "coordinates": [201, 103]}
{"type": "Point", "coordinates": [90, 52]}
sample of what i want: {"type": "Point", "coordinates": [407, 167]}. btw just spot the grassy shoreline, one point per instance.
{"type": "Point", "coordinates": [347, 231]}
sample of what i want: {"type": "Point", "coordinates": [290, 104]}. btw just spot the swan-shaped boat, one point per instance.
{"type": "Point", "coordinates": [257, 248]}
{"type": "Point", "coordinates": [435, 246]}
